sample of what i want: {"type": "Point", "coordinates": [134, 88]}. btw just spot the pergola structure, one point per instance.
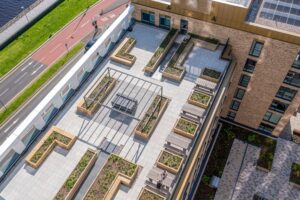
{"type": "Point", "coordinates": [131, 95]}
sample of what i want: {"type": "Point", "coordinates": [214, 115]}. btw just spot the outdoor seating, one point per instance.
{"type": "Point", "coordinates": [124, 104]}
{"type": "Point", "coordinates": [192, 112]}
{"type": "Point", "coordinates": [178, 143]}
{"type": "Point", "coordinates": [202, 84]}
{"type": "Point", "coordinates": [161, 178]}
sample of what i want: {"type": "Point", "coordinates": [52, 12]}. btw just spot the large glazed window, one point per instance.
{"type": "Point", "coordinates": [148, 17]}
{"type": "Point", "coordinates": [235, 105]}
{"type": "Point", "coordinates": [278, 106]}
{"type": "Point", "coordinates": [272, 117]}
{"type": "Point", "coordinates": [239, 93]}
{"type": "Point", "coordinates": [165, 22]}
{"type": "Point", "coordinates": [244, 80]}
{"type": "Point", "coordinates": [256, 48]}
{"type": "Point", "coordinates": [249, 66]}
{"type": "Point", "coordinates": [266, 128]}
{"type": "Point", "coordinates": [286, 93]}
{"type": "Point", "coordinates": [292, 78]}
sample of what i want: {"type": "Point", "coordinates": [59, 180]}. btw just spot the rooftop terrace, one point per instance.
{"type": "Point", "coordinates": [110, 130]}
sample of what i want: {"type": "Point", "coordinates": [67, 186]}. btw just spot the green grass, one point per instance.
{"type": "Point", "coordinates": [38, 33]}
{"type": "Point", "coordinates": [30, 90]}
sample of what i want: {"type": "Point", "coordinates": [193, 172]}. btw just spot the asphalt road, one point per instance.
{"type": "Point", "coordinates": [8, 128]}
{"type": "Point", "coordinates": [22, 76]}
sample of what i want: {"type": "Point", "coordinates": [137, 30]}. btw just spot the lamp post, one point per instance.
{"type": "Point", "coordinates": [23, 8]}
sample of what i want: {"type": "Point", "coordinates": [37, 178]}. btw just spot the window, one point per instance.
{"type": "Point", "coordinates": [244, 80]}
{"type": "Point", "coordinates": [30, 136]}
{"type": "Point", "coordinates": [239, 93]}
{"type": "Point", "coordinates": [278, 106]}
{"type": "Point", "coordinates": [148, 17]}
{"type": "Point", "coordinates": [235, 105]}
{"type": "Point", "coordinates": [256, 48]}
{"type": "Point", "coordinates": [249, 66]}
{"type": "Point", "coordinates": [296, 63]}
{"type": "Point", "coordinates": [165, 22]}
{"type": "Point", "coordinates": [292, 78]}
{"type": "Point", "coordinates": [266, 128]}
{"type": "Point", "coordinates": [272, 117]}
{"type": "Point", "coordinates": [286, 93]}
{"type": "Point", "coordinates": [231, 115]}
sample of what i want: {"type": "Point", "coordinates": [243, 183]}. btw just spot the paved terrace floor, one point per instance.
{"type": "Point", "coordinates": [272, 185]}
{"type": "Point", "coordinates": [26, 183]}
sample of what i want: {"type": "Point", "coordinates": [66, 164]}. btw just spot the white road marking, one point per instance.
{"type": "Point", "coordinates": [14, 122]}
{"type": "Point", "coordinates": [4, 92]}
{"type": "Point", "coordinates": [83, 25]}
{"type": "Point", "coordinates": [27, 66]}
{"type": "Point", "coordinates": [58, 45]}
{"type": "Point", "coordinates": [22, 76]}
{"type": "Point", "coordinates": [37, 70]}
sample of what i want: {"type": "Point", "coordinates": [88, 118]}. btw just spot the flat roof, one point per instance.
{"type": "Point", "coordinates": [111, 131]}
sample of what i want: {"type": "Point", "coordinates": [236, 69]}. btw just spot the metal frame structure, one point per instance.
{"type": "Point", "coordinates": [129, 80]}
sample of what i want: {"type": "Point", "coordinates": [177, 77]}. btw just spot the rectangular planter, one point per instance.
{"type": "Point", "coordinates": [166, 167]}
{"type": "Point", "coordinates": [210, 78]}
{"type": "Point", "coordinates": [197, 103]}
{"type": "Point", "coordinates": [152, 69]}
{"type": "Point", "coordinates": [68, 195]}
{"type": "Point", "coordinates": [295, 175]}
{"type": "Point", "coordinates": [89, 112]}
{"type": "Point", "coordinates": [174, 77]}
{"type": "Point", "coordinates": [185, 133]}
{"type": "Point", "coordinates": [146, 194]}
{"type": "Point", "coordinates": [143, 135]}
{"type": "Point", "coordinates": [107, 192]}
{"type": "Point", "coordinates": [45, 141]}
{"type": "Point", "coordinates": [117, 57]}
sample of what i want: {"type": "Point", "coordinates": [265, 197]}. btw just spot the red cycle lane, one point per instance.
{"type": "Point", "coordinates": [76, 31]}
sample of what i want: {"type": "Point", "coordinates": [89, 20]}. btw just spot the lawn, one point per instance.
{"type": "Point", "coordinates": [30, 90]}
{"type": "Point", "coordinates": [38, 33]}
{"type": "Point", "coordinates": [219, 155]}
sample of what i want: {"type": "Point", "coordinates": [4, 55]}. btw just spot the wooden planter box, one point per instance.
{"type": "Point", "coordinates": [145, 136]}
{"type": "Point", "coordinates": [165, 167]}
{"type": "Point", "coordinates": [199, 104]}
{"type": "Point", "coordinates": [157, 196]}
{"type": "Point", "coordinates": [89, 112]}
{"type": "Point", "coordinates": [51, 146]}
{"type": "Point", "coordinates": [123, 60]}
{"type": "Point", "coordinates": [114, 187]}
{"type": "Point", "coordinates": [209, 78]}
{"type": "Point", "coordinates": [184, 133]}
{"type": "Point", "coordinates": [82, 177]}
{"type": "Point", "coordinates": [173, 76]}
{"type": "Point", "coordinates": [156, 64]}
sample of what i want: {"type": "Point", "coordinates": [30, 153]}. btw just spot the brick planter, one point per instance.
{"type": "Point", "coordinates": [160, 53]}
{"type": "Point", "coordinates": [146, 194]}
{"type": "Point", "coordinates": [55, 136]}
{"type": "Point", "coordinates": [171, 158]}
{"type": "Point", "coordinates": [146, 134]}
{"type": "Point", "coordinates": [90, 111]}
{"type": "Point", "coordinates": [203, 103]}
{"type": "Point", "coordinates": [121, 54]}
{"type": "Point", "coordinates": [99, 190]}
{"type": "Point", "coordinates": [69, 189]}
{"type": "Point", "coordinates": [184, 133]}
